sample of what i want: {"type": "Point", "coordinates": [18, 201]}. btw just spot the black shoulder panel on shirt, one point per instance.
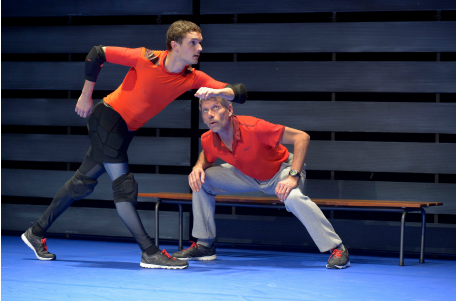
{"type": "Point", "coordinates": [149, 54]}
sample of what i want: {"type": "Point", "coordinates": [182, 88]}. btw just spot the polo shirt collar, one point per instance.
{"type": "Point", "coordinates": [236, 134]}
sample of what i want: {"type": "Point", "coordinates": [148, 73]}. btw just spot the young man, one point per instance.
{"type": "Point", "coordinates": [256, 161]}
{"type": "Point", "coordinates": [154, 80]}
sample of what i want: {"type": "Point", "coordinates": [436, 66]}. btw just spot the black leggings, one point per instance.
{"type": "Point", "coordinates": [126, 210]}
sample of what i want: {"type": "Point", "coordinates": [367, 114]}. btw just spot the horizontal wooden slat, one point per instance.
{"type": "Point", "coordinates": [60, 112]}
{"type": "Point", "coordinates": [417, 77]}
{"type": "Point", "coordinates": [429, 77]}
{"type": "Point", "coordinates": [55, 8]}
{"type": "Point", "coordinates": [272, 200]}
{"type": "Point", "coordinates": [46, 183]}
{"type": "Point", "coordinates": [91, 221]}
{"type": "Point", "coordinates": [410, 117]}
{"type": "Point", "coordinates": [72, 148]}
{"type": "Point", "coordinates": [242, 38]}
{"type": "Point", "coordinates": [58, 76]}
{"type": "Point", "coordinates": [299, 6]}
{"type": "Point", "coordinates": [406, 157]}
{"type": "Point", "coordinates": [80, 39]}
{"type": "Point", "coordinates": [330, 37]}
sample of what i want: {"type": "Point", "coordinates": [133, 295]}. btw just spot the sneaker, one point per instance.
{"type": "Point", "coordinates": [38, 245]}
{"type": "Point", "coordinates": [197, 252]}
{"type": "Point", "coordinates": [339, 258]}
{"type": "Point", "coordinates": [161, 261]}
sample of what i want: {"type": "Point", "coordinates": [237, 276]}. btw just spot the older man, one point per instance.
{"type": "Point", "coordinates": [256, 161]}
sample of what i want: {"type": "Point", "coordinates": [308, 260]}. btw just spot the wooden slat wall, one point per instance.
{"type": "Point", "coordinates": [330, 37]}
{"type": "Point", "coordinates": [56, 8]}
{"type": "Point", "coordinates": [60, 112]}
{"type": "Point", "coordinates": [271, 71]}
{"type": "Point", "coordinates": [299, 6]}
{"type": "Point", "coordinates": [345, 116]}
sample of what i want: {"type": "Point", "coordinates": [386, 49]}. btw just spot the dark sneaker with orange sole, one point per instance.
{"type": "Point", "coordinates": [339, 258]}
{"type": "Point", "coordinates": [161, 261]}
{"type": "Point", "coordinates": [38, 245]}
{"type": "Point", "coordinates": [196, 252]}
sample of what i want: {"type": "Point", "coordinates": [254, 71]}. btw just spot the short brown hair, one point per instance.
{"type": "Point", "coordinates": [178, 30]}
{"type": "Point", "coordinates": [223, 101]}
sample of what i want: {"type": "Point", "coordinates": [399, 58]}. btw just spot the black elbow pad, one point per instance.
{"type": "Point", "coordinates": [93, 63]}
{"type": "Point", "coordinates": [240, 92]}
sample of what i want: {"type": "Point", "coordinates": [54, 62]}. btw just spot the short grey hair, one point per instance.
{"type": "Point", "coordinates": [223, 101]}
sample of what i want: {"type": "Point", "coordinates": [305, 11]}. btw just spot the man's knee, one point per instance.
{"type": "Point", "coordinates": [297, 198]}
{"type": "Point", "coordinates": [80, 186]}
{"type": "Point", "coordinates": [125, 189]}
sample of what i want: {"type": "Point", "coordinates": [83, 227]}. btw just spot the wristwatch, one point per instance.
{"type": "Point", "coordinates": [294, 173]}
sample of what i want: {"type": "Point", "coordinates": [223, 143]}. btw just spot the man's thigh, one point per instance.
{"type": "Point", "coordinates": [225, 179]}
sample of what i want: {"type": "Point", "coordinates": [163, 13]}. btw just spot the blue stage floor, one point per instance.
{"type": "Point", "coordinates": [92, 270]}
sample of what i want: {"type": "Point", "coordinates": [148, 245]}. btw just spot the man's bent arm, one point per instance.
{"type": "Point", "coordinates": [197, 176]}
{"type": "Point", "coordinates": [300, 140]}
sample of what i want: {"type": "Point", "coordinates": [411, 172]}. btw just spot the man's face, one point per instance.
{"type": "Point", "coordinates": [216, 116]}
{"type": "Point", "coordinates": [189, 51]}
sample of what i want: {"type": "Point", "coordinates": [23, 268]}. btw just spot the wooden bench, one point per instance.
{"type": "Point", "coordinates": [273, 202]}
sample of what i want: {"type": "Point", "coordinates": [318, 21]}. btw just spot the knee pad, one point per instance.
{"type": "Point", "coordinates": [125, 189]}
{"type": "Point", "coordinates": [80, 186]}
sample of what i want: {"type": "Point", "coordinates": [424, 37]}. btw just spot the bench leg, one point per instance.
{"type": "Point", "coordinates": [423, 232]}
{"type": "Point", "coordinates": [181, 227]}
{"type": "Point", "coordinates": [401, 249]}
{"type": "Point", "coordinates": [157, 224]}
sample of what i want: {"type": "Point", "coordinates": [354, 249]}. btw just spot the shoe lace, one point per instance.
{"type": "Point", "coordinates": [43, 242]}
{"type": "Point", "coordinates": [336, 253]}
{"type": "Point", "coordinates": [167, 255]}
{"type": "Point", "coordinates": [194, 245]}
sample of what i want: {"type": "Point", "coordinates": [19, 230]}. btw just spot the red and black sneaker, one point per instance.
{"type": "Point", "coordinates": [161, 261]}
{"type": "Point", "coordinates": [197, 252]}
{"type": "Point", "coordinates": [38, 245]}
{"type": "Point", "coordinates": [339, 258]}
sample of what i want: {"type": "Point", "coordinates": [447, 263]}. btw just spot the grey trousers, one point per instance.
{"type": "Point", "coordinates": [226, 179]}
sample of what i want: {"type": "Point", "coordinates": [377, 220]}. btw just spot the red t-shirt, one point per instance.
{"type": "Point", "coordinates": [148, 88]}
{"type": "Point", "coordinates": [257, 151]}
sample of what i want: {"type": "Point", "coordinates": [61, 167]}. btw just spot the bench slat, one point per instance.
{"type": "Point", "coordinates": [275, 200]}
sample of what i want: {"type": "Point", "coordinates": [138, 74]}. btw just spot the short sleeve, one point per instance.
{"type": "Point", "coordinates": [123, 56]}
{"type": "Point", "coordinates": [204, 80]}
{"type": "Point", "coordinates": [269, 133]}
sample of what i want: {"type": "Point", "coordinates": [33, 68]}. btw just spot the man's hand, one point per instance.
{"type": "Point", "coordinates": [284, 187]}
{"type": "Point", "coordinates": [206, 93]}
{"type": "Point", "coordinates": [196, 179]}
{"type": "Point", "coordinates": [84, 106]}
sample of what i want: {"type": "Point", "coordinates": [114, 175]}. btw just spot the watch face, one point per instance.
{"type": "Point", "coordinates": [293, 172]}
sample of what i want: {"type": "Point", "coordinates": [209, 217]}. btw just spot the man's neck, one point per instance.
{"type": "Point", "coordinates": [226, 135]}
{"type": "Point", "coordinates": [172, 63]}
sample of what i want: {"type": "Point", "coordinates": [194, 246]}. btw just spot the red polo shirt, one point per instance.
{"type": "Point", "coordinates": [257, 151]}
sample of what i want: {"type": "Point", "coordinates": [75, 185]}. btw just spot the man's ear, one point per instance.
{"type": "Point", "coordinates": [230, 110]}
{"type": "Point", "coordinates": [175, 46]}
